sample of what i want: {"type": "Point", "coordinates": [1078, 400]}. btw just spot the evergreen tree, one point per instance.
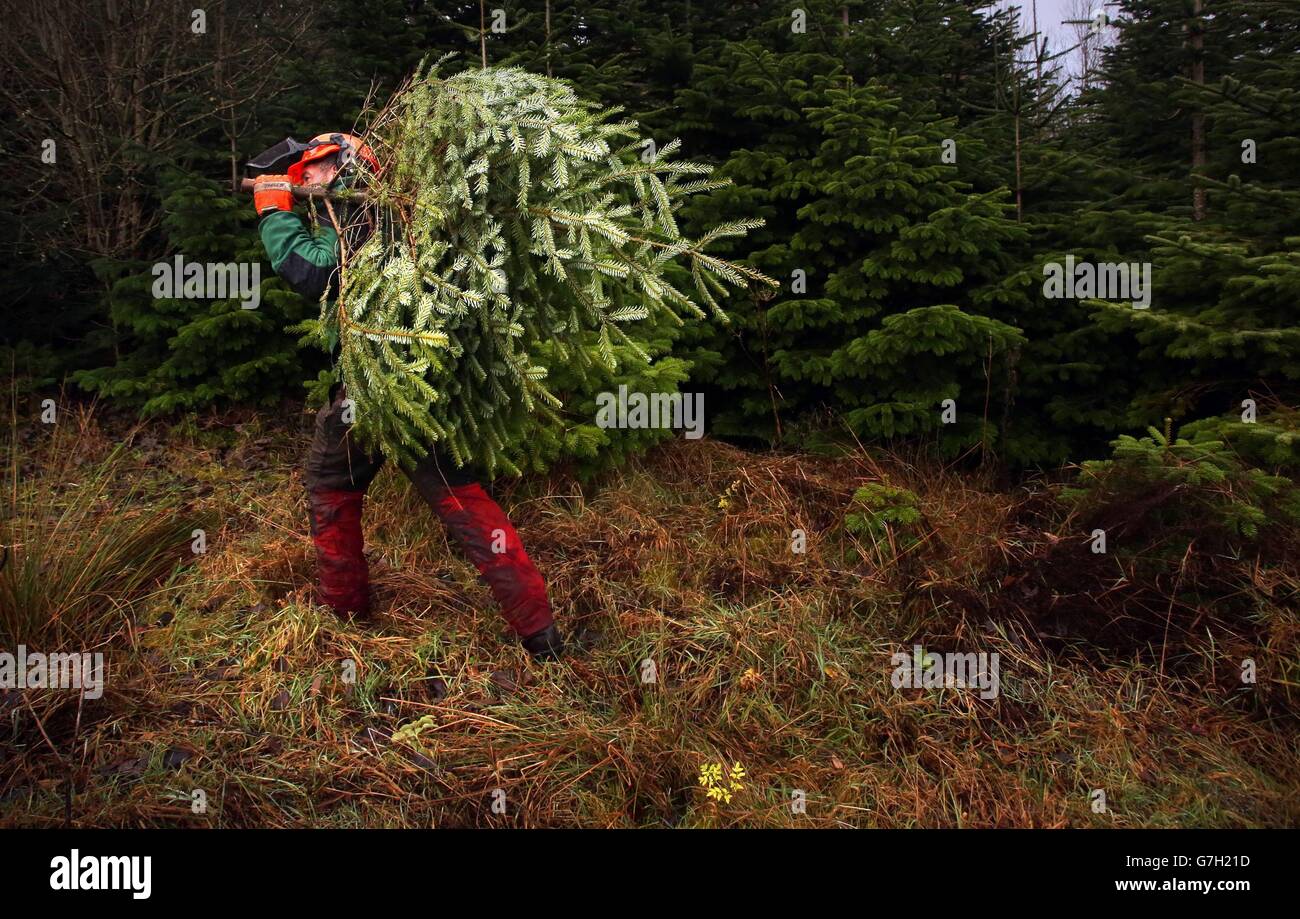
{"type": "Point", "coordinates": [183, 353]}
{"type": "Point", "coordinates": [1221, 325]}
{"type": "Point", "coordinates": [903, 263]}
{"type": "Point", "coordinates": [514, 222]}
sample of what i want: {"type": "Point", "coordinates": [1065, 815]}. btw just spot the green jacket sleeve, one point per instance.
{"type": "Point", "coordinates": [307, 261]}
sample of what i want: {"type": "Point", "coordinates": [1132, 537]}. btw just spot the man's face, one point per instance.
{"type": "Point", "coordinates": [320, 172]}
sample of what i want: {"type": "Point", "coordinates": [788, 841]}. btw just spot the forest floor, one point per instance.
{"type": "Point", "coordinates": [703, 640]}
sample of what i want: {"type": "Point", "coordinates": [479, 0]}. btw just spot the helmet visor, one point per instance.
{"type": "Point", "coordinates": [315, 151]}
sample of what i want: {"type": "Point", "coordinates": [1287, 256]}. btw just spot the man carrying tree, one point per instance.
{"type": "Point", "coordinates": [339, 471]}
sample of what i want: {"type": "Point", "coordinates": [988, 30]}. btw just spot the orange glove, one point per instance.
{"type": "Point", "coordinates": [272, 193]}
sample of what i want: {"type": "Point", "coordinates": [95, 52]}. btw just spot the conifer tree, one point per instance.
{"type": "Point", "coordinates": [183, 353]}
{"type": "Point", "coordinates": [1221, 327]}
{"type": "Point", "coordinates": [516, 229]}
{"type": "Point", "coordinates": [892, 268]}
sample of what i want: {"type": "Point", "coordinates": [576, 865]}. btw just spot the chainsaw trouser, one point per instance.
{"type": "Point", "coordinates": [338, 473]}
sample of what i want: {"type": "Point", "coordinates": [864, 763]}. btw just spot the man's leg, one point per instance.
{"type": "Point", "coordinates": [490, 542]}
{"type": "Point", "coordinates": [338, 472]}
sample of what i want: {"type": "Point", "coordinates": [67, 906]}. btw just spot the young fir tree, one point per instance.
{"type": "Point", "coordinates": [516, 230]}
{"type": "Point", "coordinates": [1146, 111]}
{"type": "Point", "coordinates": [1221, 325]}
{"type": "Point", "coordinates": [634, 54]}
{"type": "Point", "coordinates": [630, 53]}
{"type": "Point", "coordinates": [892, 268]}
{"type": "Point", "coordinates": [1071, 381]}
{"type": "Point", "coordinates": [187, 353]}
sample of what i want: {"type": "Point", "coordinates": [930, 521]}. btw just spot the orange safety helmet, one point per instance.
{"type": "Point", "coordinates": [348, 147]}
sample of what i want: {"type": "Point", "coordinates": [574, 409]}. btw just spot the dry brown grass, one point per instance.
{"type": "Point", "coordinates": [231, 681]}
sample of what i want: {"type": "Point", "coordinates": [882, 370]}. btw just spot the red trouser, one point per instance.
{"type": "Point", "coordinates": [338, 472]}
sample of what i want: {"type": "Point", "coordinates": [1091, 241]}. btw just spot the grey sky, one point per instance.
{"type": "Point", "coordinates": [1050, 15]}
{"type": "Point", "coordinates": [1050, 12]}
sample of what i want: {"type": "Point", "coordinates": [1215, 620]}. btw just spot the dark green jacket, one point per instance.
{"type": "Point", "coordinates": [307, 261]}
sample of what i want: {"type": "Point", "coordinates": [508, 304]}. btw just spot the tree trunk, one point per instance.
{"type": "Point", "coordinates": [1198, 118]}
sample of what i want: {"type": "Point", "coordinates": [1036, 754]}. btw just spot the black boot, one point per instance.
{"type": "Point", "coordinates": [546, 645]}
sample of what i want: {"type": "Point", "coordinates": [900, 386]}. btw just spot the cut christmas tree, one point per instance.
{"type": "Point", "coordinates": [515, 228]}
